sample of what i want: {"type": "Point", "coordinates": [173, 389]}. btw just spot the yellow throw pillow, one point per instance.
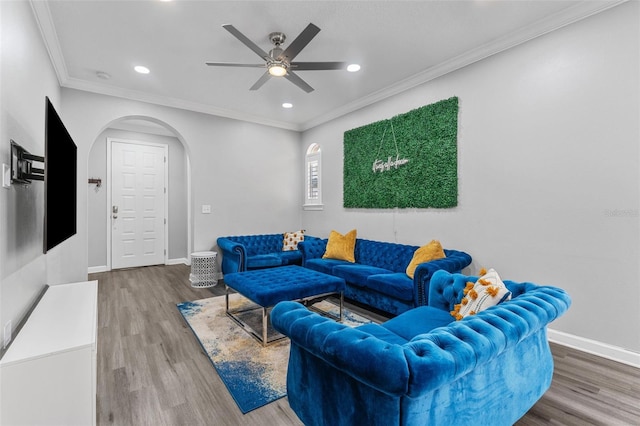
{"type": "Point", "coordinates": [340, 246]}
{"type": "Point", "coordinates": [290, 240]}
{"type": "Point", "coordinates": [431, 251]}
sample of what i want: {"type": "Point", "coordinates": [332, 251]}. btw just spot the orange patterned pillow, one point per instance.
{"type": "Point", "coordinates": [290, 240]}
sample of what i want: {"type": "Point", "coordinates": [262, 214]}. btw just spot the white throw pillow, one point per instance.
{"type": "Point", "coordinates": [488, 291]}
{"type": "Point", "coordinates": [290, 240]}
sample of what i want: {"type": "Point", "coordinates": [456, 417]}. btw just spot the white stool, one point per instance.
{"type": "Point", "coordinates": [203, 269]}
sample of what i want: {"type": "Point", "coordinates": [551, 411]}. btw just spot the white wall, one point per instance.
{"type": "Point", "coordinates": [26, 77]}
{"type": "Point", "coordinates": [240, 169]}
{"type": "Point", "coordinates": [548, 169]}
{"type": "Point", "coordinates": [548, 164]}
{"type": "Point", "coordinates": [98, 230]}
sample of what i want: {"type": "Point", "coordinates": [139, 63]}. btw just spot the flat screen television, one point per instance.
{"type": "Point", "coordinates": [60, 180]}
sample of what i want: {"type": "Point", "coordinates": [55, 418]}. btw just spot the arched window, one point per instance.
{"type": "Point", "coordinates": [313, 178]}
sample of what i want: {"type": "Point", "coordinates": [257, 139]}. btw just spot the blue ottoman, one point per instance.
{"type": "Point", "coordinates": [266, 287]}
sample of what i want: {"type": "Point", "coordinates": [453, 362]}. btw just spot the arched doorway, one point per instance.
{"type": "Point", "coordinates": [144, 131]}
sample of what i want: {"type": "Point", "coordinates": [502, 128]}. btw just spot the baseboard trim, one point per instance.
{"type": "Point", "coordinates": [105, 268]}
{"type": "Point", "coordinates": [594, 347]}
{"type": "Point", "coordinates": [179, 261]}
{"type": "Point", "coordinates": [96, 269]}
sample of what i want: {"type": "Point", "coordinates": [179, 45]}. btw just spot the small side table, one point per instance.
{"type": "Point", "coordinates": [203, 269]}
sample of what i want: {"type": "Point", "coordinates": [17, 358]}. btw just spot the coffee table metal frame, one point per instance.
{"type": "Point", "coordinates": [262, 337]}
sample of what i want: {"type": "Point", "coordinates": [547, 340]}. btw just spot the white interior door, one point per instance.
{"type": "Point", "coordinates": [138, 218]}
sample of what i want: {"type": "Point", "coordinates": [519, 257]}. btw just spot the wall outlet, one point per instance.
{"type": "Point", "coordinates": [206, 208]}
{"type": "Point", "coordinates": [7, 335]}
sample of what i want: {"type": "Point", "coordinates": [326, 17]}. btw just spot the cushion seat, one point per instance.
{"type": "Point", "coordinates": [324, 265]}
{"type": "Point", "coordinates": [290, 257]}
{"type": "Point", "coordinates": [417, 321]}
{"type": "Point", "coordinates": [397, 285]}
{"type": "Point", "coordinates": [263, 261]}
{"type": "Point", "coordinates": [357, 274]}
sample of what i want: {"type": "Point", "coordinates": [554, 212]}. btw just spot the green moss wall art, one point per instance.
{"type": "Point", "coordinates": [408, 161]}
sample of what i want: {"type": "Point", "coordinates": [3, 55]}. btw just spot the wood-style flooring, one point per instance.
{"type": "Point", "coordinates": [152, 370]}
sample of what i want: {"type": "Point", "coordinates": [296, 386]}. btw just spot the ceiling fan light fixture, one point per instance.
{"type": "Point", "coordinates": [278, 70]}
{"type": "Point", "coordinates": [353, 68]}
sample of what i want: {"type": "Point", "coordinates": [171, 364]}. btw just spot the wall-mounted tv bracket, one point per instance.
{"type": "Point", "coordinates": [22, 170]}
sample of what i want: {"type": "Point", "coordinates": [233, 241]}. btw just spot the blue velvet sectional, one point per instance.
{"type": "Point", "coordinates": [378, 277]}
{"type": "Point", "coordinates": [423, 367]}
{"type": "Point", "coordinates": [246, 252]}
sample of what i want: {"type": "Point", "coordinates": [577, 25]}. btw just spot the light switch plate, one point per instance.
{"type": "Point", "coordinates": [206, 208]}
{"type": "Point", "coordinates": [6, 334]}
{"type": "Point", "coordinates": [6, 176]}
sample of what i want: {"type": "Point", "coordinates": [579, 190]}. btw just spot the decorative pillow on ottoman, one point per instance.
{"type": "Point", "coordinates": [290, 240]}
{"type": "Point", "coordinates": [488, 291]}
{"type": "Point", "coordinates": [341, 247]}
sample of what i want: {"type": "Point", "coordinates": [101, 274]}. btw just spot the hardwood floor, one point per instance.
{"type": "Point", "coordinates": [152, 371]}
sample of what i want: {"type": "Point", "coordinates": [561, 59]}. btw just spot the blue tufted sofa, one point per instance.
{"type": "Point", "coordinates": [245, 252]}
{"type": "Point", "coordinates": [422, 367]}
{"type": "Point", "coordinates": [378, 277]}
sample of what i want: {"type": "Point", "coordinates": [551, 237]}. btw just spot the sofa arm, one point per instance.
{"type": "Point", "coordinates": [360, 355]}
{"type": "Point", "coordinates": [234, 256]}
{"type": "Point", "coordinates": [454, 262]}
{"type": "Point", "coordinates": [312, 248]}
{"type": "Point", "coordinates": [448, 353]}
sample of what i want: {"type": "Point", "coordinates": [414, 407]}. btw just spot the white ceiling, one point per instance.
{"type": "Point", "coordinates": [399, 44]}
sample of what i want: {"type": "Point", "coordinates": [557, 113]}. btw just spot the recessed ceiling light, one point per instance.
{"type": "Point", "coordinates": [287, 105]}
{"type": "Point", "coordinates": [353, 68]}
{"type": "Point", "coordinates": [141, 69]}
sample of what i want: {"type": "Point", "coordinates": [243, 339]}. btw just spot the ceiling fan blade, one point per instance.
{"type": "Point", "coordinates": [309, 66]}
{"type": "Point", "coordinates": [299, 43]}
{"type": "Point", "coordinates": [298, 82]}
{"type": "Point", "coordinates": [232, 64]}
{"type": "Point", "coordinates": [262, 80]}
{"type": "Point", "coordinates": [251, 45]}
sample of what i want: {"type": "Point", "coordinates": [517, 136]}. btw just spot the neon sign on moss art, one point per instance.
{"type": "Point", "coordinates": [408, 161]}
{"type": "Point", "coordinates": [381, 166]}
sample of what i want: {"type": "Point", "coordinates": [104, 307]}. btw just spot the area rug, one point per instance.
{"type": "Point", "coordinates": [253, 374]}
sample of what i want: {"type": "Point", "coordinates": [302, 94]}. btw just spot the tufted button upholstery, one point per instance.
{"type": "Point", "coordinates": [245, 252]}
{"type": "Point", "coordinates": [497, 362]}
{"type": "Point", "coordinates": [380, 279]}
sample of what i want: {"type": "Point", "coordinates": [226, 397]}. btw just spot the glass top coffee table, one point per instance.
{"type": "Point", "coordinates": [266, 287]}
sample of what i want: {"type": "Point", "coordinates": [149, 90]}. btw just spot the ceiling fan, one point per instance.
{"type": "Point", "coordinates": [278, 62]}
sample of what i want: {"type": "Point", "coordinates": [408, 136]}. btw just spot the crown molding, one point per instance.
{"type": "Point", "coordinates": [561, 19]}
{"type": "Point", "coordinates": [78, 84]}
{"type": "Point", "coordinates": [42, 14]}
{"type": "Point", "coordinates": [43, 18]}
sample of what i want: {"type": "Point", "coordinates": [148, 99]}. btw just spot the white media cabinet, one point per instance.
{"type": "Point", "coordinates": [48, 375]}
